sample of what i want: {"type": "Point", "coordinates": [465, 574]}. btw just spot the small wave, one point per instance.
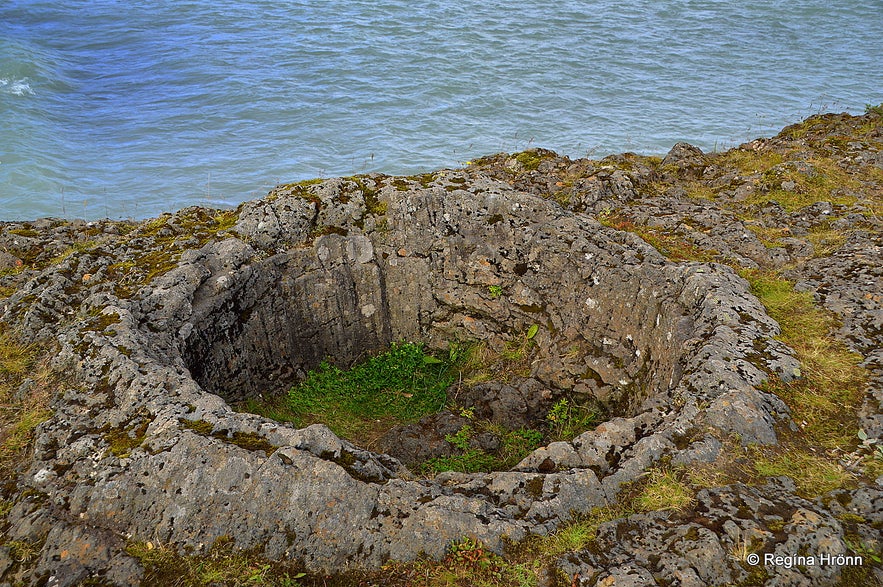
{"type": "Point", "coordinates": [16, 87]}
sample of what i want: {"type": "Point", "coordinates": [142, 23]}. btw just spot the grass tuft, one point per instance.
{"type": "Point", "coordinates": [664, 490]}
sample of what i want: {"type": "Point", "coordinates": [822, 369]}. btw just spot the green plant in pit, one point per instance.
{"type": "Point", "coordinates": [398, 386]}
{"type": "Point", "coordinates": [517, 444]}
{"type": "Point", "coordinates": [566, 419]}
{"type": "Point", "coordinates": [494, 291]}
{"type": "Point", "coordinates": [460, 440]}
{"type": "Point", "coordinates": [468, 460]}
{"type": "Point", "coordinates": [472, 460]}
{"type": "Point", "coordinates": [514, 446]}
{"type": "Point", "coordinates": [517, 350]}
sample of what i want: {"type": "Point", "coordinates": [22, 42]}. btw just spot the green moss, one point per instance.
{"type": "Point", "coordinates": [159, 243]}
{"type": "Point", "coordinates": [102, 321]}
{"type": "Point", "coordinates": [25, 232]}
{"type": "Point", "coordinates": [776, 525]}
{"type": "Point", "coordinates": [247, 440]}
{"type": "Point", "coordinates": [850, 518]}
{"type": "Point", "coordinates": [199, 426]}
{"type": "Point", "coordinates": [326, 230]}
{"type": "Point", "coordinates": [74, 249]}
{"type": "Point", "coordinates": [122, 441]}
{"type": "Point", "coordinates": [155, 263]}
{"type": "Point", "coordinates": [373, 204]}
{"type": "Point", "coordinates": [424, 179]}
{"type": "Point", "coordinates": [529, 160]}
{"type": "Point", "coordinates": [252, 441]}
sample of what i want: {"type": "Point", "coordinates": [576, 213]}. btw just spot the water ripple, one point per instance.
{"type": "Point", "coordinates": [169, 104]}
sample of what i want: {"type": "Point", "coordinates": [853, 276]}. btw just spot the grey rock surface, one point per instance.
{"type": "Point", "coordinates": [734, 535]}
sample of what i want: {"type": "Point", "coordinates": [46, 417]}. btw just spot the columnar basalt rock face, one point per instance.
{"type": "Point", "coordinates": [605, 299]}
{"type": "Point", "coordinates": [167, 325]}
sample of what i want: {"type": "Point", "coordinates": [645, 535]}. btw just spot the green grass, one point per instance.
{"type": "Point", "coordinates": [823, 401]}
{"type": "Point", "coordinates": [664, 490]}
{"type": "Point", "coordinates": [826, 183]}
{"type": "Point", "coordinates": [814, 475]}
{"type": "Point", "coordinates": [223, 565]}
{"type": "Point", "coordinates": [579, 533]}
{"type": "Point", "coordinates": [568, 419]}
{"type": "Point", "coordinates": [405, 383]}
{"type": "Point", "coordinates": [396, 387]}
{"type": "Point", "coordinates": [826, 397]}
{"type": "Point", "coordinates": [515, 445]}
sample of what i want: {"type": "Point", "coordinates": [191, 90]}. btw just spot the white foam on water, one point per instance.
{"type": "Point", "coordinates": [16, 87]}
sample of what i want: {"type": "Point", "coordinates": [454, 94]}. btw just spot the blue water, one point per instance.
{"type": "Point", "coordinates": [128, 109]}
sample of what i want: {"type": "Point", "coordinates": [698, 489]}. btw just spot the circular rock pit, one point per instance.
{"type": "Point", "coordinates": [342, 269]}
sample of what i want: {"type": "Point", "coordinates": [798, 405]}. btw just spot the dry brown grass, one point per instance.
{"type": "Point", "coordinates": [23, 406]}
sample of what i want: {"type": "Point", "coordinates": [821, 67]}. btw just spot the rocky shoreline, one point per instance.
{"type": "Point", "coordinates": [637, 272]}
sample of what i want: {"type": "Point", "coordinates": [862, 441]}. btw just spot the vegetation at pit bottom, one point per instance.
{"type": "Point", "coordinates": [406, 383]}
{"type": "Point", "coordinates": [398, 386]}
